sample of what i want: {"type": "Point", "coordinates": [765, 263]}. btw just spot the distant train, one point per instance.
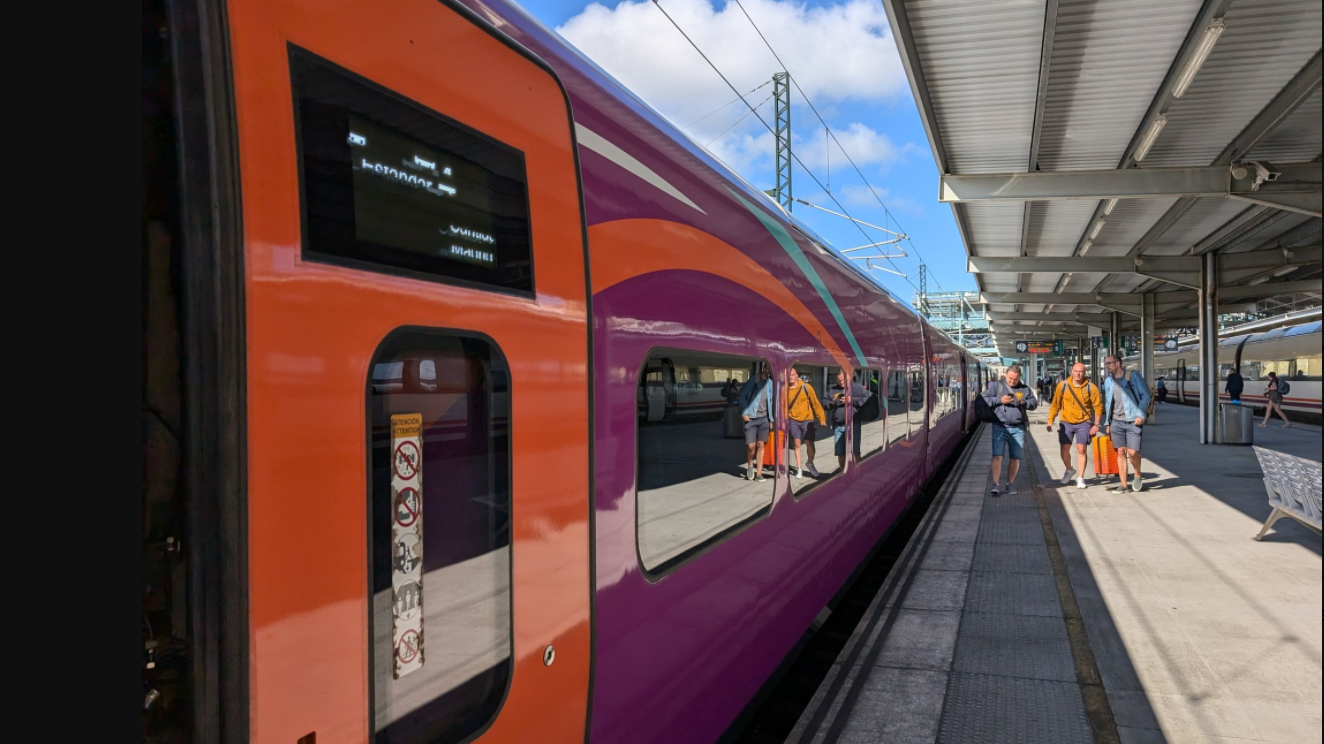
{"type": "Point", "coordinates": [1293, 352]}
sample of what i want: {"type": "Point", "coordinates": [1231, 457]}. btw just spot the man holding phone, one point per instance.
{"type": "Point", "coordinates": [1010, 399]}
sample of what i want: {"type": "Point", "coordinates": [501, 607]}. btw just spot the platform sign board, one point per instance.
{"type": "Point", "coordinates": [407, 542]}
{"type": "Point", "coordinates": [1036, 347]}
{"type": "Point", "coordinates": [1167, 344]}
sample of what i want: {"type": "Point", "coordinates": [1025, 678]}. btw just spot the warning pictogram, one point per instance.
{"type": "Point", "coordinates": [406, 460]}
{"type": "Point", "coordinates": [407, 553]}
{"type": "Point", "coordinates": [408, 601]}
{"type": "Point", "coordinates": [408, 506]}
{"type": "Point", "coordinates": [409, 647]}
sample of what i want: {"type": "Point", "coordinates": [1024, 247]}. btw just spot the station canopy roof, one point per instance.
{"type": "Point", "coordinates": [1095, 150]}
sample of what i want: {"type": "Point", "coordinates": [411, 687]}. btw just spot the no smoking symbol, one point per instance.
{"type": "Point", "coordinates": [409, 647]}
{"type": "Point", "coordinates": [407, 507]}
{"type": "Point", "coordinates": [406, 461]}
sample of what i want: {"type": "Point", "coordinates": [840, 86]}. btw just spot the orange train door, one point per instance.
{"type": "Point", "coordinates": [417, 379]}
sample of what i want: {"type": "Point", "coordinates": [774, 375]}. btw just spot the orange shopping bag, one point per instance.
{"type": "Point", "coordinates": [1105, 456]}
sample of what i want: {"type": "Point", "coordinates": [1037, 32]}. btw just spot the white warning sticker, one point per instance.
{"type": "Point", "coordinates": [407, 541]}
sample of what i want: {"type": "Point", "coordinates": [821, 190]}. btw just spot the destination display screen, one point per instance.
{"type": "Point", "coordinates": [391, 186]}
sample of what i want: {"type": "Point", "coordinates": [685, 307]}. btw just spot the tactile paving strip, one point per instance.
{"type": "Point", "coordinates": [991, 556]}
{"type": "Point", "coordinates": [1021, 532]}
{"type": "Point", "coordinates": [991, 710]}
{"type": "Point", "coordinates": [1013, 594]}
{"type": "Point", "coordinates": [1014, 646]}
{"type": "Point", "coordinates": [1023, 498]}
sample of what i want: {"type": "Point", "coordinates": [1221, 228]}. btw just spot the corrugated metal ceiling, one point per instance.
{"type": "Point", "coordinates": [979, 63]}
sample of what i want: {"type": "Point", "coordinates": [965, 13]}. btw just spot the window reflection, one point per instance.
{"type": "Point", "coordinates": [704, 426]}
{"type": "Point", "coordinates": [810, 457]}
{"type": "Point", "coordinates": [440, 620]}
{"type": "Point", "coordinates": [872, 412]}
{"type": "Point", "coordinates": [898, 397]}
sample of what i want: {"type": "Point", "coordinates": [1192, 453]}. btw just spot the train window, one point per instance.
{"type": "Point", "coordinates": [897, 405]}
{"type": "Point", "coordinates": [916, 400]}
{"type": "Point", "coordinates": [810, 457]}
{"type": "Point", "coordinates": [388, 185]}
{"type": "Point", "coordinates": [873, 431]}
{"type": "Point", "coordinates": [1193, 373]}
{"type": "Point", "coordinates": [695, 480]}
{"type": "Point", "coordinates": [440, 453]}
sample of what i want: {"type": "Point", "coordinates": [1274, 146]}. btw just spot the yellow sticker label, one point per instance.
{"type": "Point", "coordinates": [406, 425]}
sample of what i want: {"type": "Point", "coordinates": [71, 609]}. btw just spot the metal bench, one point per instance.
{"type": "Point", "coordinates": [1294, 488]}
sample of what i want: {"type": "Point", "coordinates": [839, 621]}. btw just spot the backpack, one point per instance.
{"type": "Point", "coordinates": [984, 412]}
{"type": "Point", "coordinates": [1284, 387]}
{"type": "Point", "coordinates": [1149, 410]}
{"type": "Point", "coordinates": [870, 410]}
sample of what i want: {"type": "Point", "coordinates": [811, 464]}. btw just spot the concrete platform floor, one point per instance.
{"type": "Point", "coordinates": [1064, 615]}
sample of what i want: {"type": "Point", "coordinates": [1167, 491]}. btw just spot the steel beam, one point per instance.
{"type": "Point", "coordinates": [1292, 95]}
{"type": "Point", "coordinates": [1298, 256]}
{"type": "Point", "coordinates": [1270, 289]}
{"type": "Point", "coordinates": [1294, 181]}
{"type": "Point", "coordinates": [1091, 319]}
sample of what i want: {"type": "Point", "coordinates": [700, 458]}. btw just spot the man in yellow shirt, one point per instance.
{"type": "Point", "coordinates": [803, 408]}
{"type": "Point", "coordinates": [1078, 401]}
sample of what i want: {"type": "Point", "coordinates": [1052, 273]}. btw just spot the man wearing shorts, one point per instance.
{"type": "Point", "coordinates": [1081, 406]}
{"type": "Point", "coordinates": [756, 409]}
{"type": "Point", "coordinates": [802, 408]}
{"type": "Point", "coordinates": [1009, 399]}
{"type": "Point", "coordinates": [1126, 397]}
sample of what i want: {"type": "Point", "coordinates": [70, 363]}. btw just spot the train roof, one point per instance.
{"type": "Point", "coordinates": [588, 68]}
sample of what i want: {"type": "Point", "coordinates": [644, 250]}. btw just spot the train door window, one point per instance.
{"type": "Point", "coordinates": [873, 429]}
{"type": "Point", "coordinates": [390, 186]}
{"type": "Point", "coordinates": [916, 398]}
{"type": "Point", "coordinates": [693, 485]}
{"type": "Point", "coordinates": [817, 460]}
{"type": "Point", "coordinates": [897, 400]}
{"type": "Point", "coordinates": [439, 410]}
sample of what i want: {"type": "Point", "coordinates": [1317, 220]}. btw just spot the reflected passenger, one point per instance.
{"type": "Point", "coordinates": [803, 409]}
{"type": "Point", "coordinates": [756, 409]}
{"type": "Point", "coordinates": [836, 404]}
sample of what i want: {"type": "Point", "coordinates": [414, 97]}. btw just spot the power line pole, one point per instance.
{"type": "Point", "coordinates": [781, 97]}
{"type": "Point", "coordinates": [924, 290]}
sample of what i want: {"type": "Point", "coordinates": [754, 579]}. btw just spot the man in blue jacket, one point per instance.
{"type": "Point", "coordinates": [1009, 399]}
{"type": "Point", "coordinates": [1126, 398]}
{"type": "Point", "coordinates": [756, 409]}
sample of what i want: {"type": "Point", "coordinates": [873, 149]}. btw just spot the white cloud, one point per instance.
{"type": "Point", "coordinates": [837, 53]}
{"type": "Point", "coordinates": [859, 196]}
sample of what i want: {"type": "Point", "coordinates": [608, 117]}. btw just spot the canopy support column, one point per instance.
{"type": "Point", "coordinates": [1209, 433]}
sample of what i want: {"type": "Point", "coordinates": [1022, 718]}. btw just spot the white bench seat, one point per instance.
{"type": "Point", "coordinates": [1294, 486]}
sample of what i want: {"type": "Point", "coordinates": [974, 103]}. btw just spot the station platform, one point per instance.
{"type": "Point", "coordinates": [1065, 615]}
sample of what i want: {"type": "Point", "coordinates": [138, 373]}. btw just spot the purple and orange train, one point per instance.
{"type": "Point", "coordinates": [455, 318]}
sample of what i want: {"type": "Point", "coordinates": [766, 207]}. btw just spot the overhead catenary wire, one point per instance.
{"type": "Point", "coordinates": [774, 133]}
{"type": "Point", "coordinates": [830, 133]}
{"type": "Point", "coordinates": [728, 103]}
{"type": "Point", "coordinates": [733, 126]}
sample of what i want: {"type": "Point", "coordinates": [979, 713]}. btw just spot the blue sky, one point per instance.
{"type": "Point", "coordinates": [842, 54]}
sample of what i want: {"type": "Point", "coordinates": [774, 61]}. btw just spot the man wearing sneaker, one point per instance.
{"type": "Point", "coordinates": [1126, 397]}
{"type": "Point", "coordinates": [756, 409]}
{"type": "Point", "coordinates": [1010, 399]}
{"type": "Point", "coordinates": [803, 408]}
{"type": "Point", "coordinates": [1081, 406]}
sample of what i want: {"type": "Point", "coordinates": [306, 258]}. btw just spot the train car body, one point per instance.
{"type": "Point", "coordinates": [542, 389]}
